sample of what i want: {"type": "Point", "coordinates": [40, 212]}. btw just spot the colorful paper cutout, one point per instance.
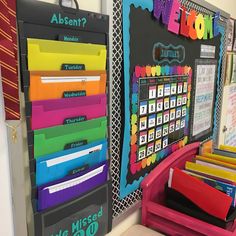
{"type": "Point", "coordinates": [195, 26]}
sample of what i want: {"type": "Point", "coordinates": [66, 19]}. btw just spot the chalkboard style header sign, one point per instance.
{"type": "Point", "coordinates": [169, 53]}
{"type": "Point", "coordinates": [195, 26]}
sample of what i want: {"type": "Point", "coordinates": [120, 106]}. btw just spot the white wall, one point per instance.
{"type": "Point", "coordinates": [226, 5]}
{"type": "Point", "coordinates": [89, 5]}
{"type": "Point", "coordinates": [6, 217]}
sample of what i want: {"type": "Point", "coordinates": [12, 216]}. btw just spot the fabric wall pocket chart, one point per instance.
{"type": "Point", "coordinates": [54, 112]}
{"type": "Point", "coordinates": [58, 165]}
{"type": "Point", "coordinates": [64, 77]}
{"type": "Point", "coordinates": [50, 140]}
{"type": "Point", "coordinates": [51, 55]}
{"type": "Point", "coordinates": [64, 84]}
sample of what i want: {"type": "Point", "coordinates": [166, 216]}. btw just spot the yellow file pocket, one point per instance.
{"type": "Point", "coordinates": [62, 84]}
{"type": "Point", "coordinates": [50, 55]}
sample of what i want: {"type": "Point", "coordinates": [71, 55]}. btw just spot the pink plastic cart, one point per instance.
{"type": "Point", "coordinates": [157, 216]}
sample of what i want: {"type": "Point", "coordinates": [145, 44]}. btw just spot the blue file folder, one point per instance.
{"type": "Point", "coordinates": [68, 162]}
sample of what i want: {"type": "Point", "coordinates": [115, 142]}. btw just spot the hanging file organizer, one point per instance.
{"type": "Point", "coordinates": [63, 67]}
{"type": "Point", "coordinates": [53, 112]}
{"type": "Point", "coordinates": [58, 84]}
{"type": "Point", "coordinates": [51, 55]}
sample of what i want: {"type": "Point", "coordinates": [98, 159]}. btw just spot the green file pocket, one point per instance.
{"type": "Point", "coordinates": [50, 140]}
{"type": "Point", "coordinates": [90, 214]}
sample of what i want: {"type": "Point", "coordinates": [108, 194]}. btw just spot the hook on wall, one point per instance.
{"type": "Point", "coordinates": [65, 6]}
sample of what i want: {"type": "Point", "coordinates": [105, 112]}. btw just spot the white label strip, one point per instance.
{"type": "Point", "coordinates": [170, 177]}
{"type": "Point", "coordinates": [72, 156]}
{"type": "Point", "coordinates": [70, 183]}
{"type": "Point", "coordinates": [69, 79]}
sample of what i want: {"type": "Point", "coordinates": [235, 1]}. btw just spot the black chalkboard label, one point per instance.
{"type": "Point", "coordinates": [72, 94]}
{"type": "Point", "coordinates": [72, 66]}
{"type": "Point", "coordinates": [73, 120]}
{"type": "Point", "coordinates": [75, 144]}
{"type": "Point", "coordinates": [69, 38]}
{"type": "Point", "coordinates": [79, 169]}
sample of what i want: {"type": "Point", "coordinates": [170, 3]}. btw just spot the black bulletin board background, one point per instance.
{"type": "Point", "coordinates": [145, 31]}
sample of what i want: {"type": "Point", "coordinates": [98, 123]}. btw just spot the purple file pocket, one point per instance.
{"type": "Point", "coordinates": [48, 113]}
{"type": "Point", "coordinates": [68, 188]}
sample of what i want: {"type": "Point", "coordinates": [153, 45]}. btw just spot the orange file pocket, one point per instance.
{"type": "Point", "coordinates": [60, 84]}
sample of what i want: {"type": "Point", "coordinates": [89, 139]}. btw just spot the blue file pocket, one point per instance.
{"type": "Point", "coordinates": [68, 162]}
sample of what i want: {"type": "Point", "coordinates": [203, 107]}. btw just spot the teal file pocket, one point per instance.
{"type": "Point", "coordinates": [68, 162]}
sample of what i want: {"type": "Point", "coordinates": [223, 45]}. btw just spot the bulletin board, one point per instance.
{"type": "Point", "coordinates": [135, 62]}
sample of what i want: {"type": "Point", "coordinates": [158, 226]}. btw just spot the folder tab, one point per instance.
{"type": "Point", "coordinates": [54, 112]}
{"type": "Point", "coordinates": [70, 187]}
{"type": "Point", "coordinates": [228, 148]}
{"type": "Point", "coordinates": [50, 55]}
{"type": "Point", "coordinates": [65, 84]}
{"type": "Point", "coordinates": [58, 165]}
{"type": "Point", "coordinates": [220, 158]}
{"type": "Point", "coordinates": [50, 140]}
{"type": "Point", "coordinates": [211, 171]}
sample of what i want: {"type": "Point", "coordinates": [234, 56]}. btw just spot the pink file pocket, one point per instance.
{"type": "Point", "coordinates": [48, 113]}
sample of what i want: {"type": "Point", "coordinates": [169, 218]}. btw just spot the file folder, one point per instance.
{"type": "Point", "coordinates": [226, 188]}
{"type": "Point", "coordinates": [54, 112]}
{"type": "Point", "coordinates": [55, 139]}
{"type": "Point", "coordinates": [58, 165]}
{"type": "Point", "coordinates": [224, 153]}
{"type": "Point", "coordinates": [206, 197]}
{"type": "Point", "coordinates": [215, 173]}
{"type": "Point", "coordinates": [226, 159]}
{"type": "Point", "coordinates": [227, 148]}
{"type": "Point", "coordinates": [46, 85]}
{"type": "Point", "coordinates": [180, 203]}
{"type": "Point", "coordinates": [219, 164]}
{"type": "Point", "coordinates": [50, 55]}
{"type": "Point", "coordinates": [68, 188]}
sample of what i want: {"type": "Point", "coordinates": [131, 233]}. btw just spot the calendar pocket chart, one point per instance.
{"type": "Point", "coordinates": [166, 113]}
{"type": "Point", "coordinates": [161, 123]}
